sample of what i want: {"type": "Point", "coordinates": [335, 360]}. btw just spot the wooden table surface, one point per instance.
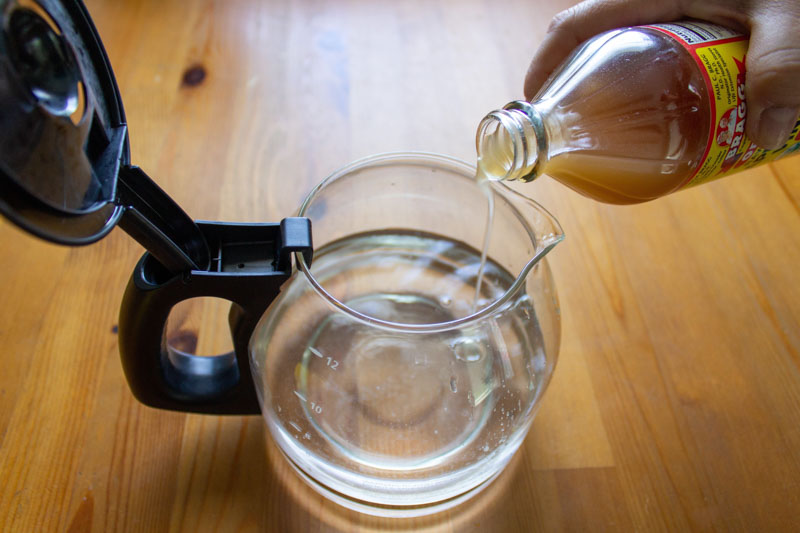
{"type": "Point", "coordinates": [675, 404]}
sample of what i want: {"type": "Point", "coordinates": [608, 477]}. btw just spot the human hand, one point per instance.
{"type": "Point", "coordinates": [772, 85]}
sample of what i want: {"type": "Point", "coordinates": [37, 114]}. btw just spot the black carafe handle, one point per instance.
{"type": "Point", "coordinates": [71, 183]}
{"type": "Point", "coordinates": [249, 264]}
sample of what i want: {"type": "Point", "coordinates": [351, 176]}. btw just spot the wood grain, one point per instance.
{"type": "Point", "coordinates": [676, 402]}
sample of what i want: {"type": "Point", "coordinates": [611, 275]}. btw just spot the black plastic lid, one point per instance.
{"type": "Point", "coordinates": [62, 126]}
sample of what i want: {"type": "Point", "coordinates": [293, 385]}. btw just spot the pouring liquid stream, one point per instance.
{"type": "Point", "coordinates": [493, 163]}
{"type": "Point", "coordinates": [483, 183]}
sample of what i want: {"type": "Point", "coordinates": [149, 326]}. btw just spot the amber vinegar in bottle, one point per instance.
{"type": "Point", "coordinates": [632, 115]}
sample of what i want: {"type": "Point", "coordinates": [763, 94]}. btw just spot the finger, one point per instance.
{"type": "Point", "coordinates": [772, 85]}
{"type": "Point", "coordinates": [573, 26]}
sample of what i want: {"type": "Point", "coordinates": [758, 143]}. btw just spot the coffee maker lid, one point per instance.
{"type": "Point", "coordinates": [63, 136]}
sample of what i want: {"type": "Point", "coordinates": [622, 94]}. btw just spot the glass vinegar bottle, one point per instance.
{"type": "Point", "coordinates": [632, 115]}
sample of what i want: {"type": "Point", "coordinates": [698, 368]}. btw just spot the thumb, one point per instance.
{"type": "Point", "coordinates": [772, 85]}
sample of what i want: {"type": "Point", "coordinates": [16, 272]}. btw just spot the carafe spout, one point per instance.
{"type": "Point", "coordinates": [546, 230]}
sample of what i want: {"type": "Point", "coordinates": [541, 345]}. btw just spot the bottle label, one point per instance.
{"type": "Point", "coordinates": [720, 54]}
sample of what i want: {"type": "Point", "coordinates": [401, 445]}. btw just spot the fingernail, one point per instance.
{"type": "Point", "coordinates": [775, 125]}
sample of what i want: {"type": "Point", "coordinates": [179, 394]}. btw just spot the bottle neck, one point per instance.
{"type": "Point", "coordinates": [511, 143]}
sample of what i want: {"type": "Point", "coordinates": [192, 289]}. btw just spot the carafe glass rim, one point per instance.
{"type": "Point", "coordinates": [433, 160]}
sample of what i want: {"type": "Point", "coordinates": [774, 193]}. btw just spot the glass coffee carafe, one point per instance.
{"type": "Point", "coordinates": [398, 370]}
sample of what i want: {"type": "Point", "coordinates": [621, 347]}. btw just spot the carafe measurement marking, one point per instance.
{"type": "Point", "coordinates": [317, 408]}
{"type": "Point", "coordinates": [332, 363]}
